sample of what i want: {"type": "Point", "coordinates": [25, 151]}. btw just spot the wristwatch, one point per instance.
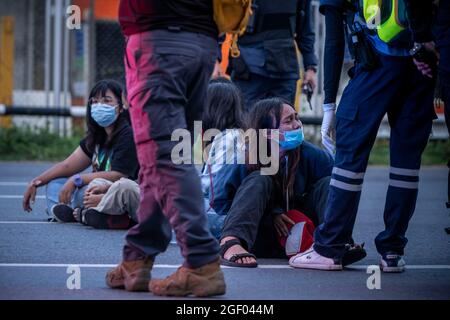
{"type": "Point", "coordinates": [77, 181]}
{"type": "Point", "coordinates": [415, 49]}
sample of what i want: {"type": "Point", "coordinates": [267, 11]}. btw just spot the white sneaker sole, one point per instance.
{"type": "Point", "coordinates": [334, 267]}
{"type": "Point", "coordinates": [392, 269]}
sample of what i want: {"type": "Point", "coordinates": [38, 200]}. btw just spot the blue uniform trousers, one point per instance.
{"type": "Point", "coordinates": [397, 89]}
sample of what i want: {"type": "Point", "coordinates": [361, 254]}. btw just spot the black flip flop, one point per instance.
{"type": "Point", "coordinates": [78, 214]}
{"type": "Point", "coordinates": [232, 261]}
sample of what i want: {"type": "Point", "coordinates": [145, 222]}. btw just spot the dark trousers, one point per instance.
{"type": "Point", "coordinates": [400, 90]}
{"type": "Point", "coordinates": [445, 89]}
{"type": "Point", "coordinates": [250, 218]}
{"type": "Point", "coordinates": [443, 45]}
{"type": "Point", "coordinates": [259, 87]}
{"type": "Point", "coordinates": [167, 75]}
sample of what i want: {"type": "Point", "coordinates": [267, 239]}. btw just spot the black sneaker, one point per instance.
{"type": "Point", "coordinates": [353, 253]}
{"type": "Point", "coordinates": [63, 213]}
{"type": "Point", "coordinates": [101, 220]}
{"type": "Point", "coordinates": [392, 262]}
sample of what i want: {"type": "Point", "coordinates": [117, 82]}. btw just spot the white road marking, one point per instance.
{"type": "Point", "coordinates": [3, 196]}
{"type": "Point", "coordinates": [25, 222]}
{"type": "Point", "coordinates": [174, 266]}
{"type": "Point", "coordinates": [12, 184]}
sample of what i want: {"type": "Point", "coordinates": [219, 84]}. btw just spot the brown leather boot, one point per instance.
{"type": "Point", "coordinates": [131, 275]}
{"type": "Point", "coordinates": [205, 281]}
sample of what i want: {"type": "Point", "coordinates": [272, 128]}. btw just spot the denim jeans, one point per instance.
{"type": "Point", "coordinates": [52, 191]}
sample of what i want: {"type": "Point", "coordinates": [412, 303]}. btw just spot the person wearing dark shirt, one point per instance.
{"type": "Point", "coordinates": [108, 148]}
{"type": "Point", "coordinates": [251, 211]}
{"type": "Point", "coordinates": [384, 81]}
{"type": "Point", "coordinates": [170, 54]}
{"type": "Point", "coordinates": [268, 65]}
{"type": "Point", "coordinates": [254, 206]}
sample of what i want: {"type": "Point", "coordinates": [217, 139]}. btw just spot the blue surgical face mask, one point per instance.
{"type": "Point", "coordinates": [292, 139]}
{"type": "Point", "coordinates": [103, 114]}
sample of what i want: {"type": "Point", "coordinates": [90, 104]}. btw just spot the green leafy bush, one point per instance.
{"type": "Point", "coordinates": [38, 144]}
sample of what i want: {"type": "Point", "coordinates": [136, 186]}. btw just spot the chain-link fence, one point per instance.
{"type": "Point", "coordinates": [54, 66]}
{"type": "Point", "coordinates": [110, 46]}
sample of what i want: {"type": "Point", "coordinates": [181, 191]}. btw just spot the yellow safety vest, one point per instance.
{"type": "Point", "coordinates": [387, 18]}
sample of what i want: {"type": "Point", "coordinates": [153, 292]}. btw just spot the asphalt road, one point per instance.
{"type": "Point", "coordinates": [35, 255]}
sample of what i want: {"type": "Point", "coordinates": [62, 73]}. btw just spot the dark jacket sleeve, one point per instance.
{"type": "Point", "coordinates": [305, 36]}
{"type": "Point", "coordinates": [420, 16]}
{"type": "Point", "coordinates": [225, 184]}
{"type": "Point", "coordinates": [334, 50]}
{"type": "Point", "coordinates": [323, 165]}
{"type": "Point", "coordinates": [318, 164]}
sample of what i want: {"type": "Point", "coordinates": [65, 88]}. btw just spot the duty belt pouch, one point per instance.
{"type": "Point", "coordinates": [239, 69]}
{"type": "Point", "coordinates": [365, 54]}
{"type": "Point", "coordinates": [280, 56]}
{"type": "Point", "coordinates": [360, 46]}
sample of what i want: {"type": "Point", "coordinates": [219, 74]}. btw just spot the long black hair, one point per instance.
{"type": "Point", "coordinates": [266, 114]}
{"type": "Point", "coordinates": [96, 134]}
{"type": "Point", "coordinates": [224, 106]}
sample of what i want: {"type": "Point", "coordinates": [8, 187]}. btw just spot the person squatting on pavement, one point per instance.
{"type": "Point", "coordinates": [108, 147]}
{"type": "Point", "coordinates": [170, 54]}
{"type": "Point", "coordinates": [384, 80]}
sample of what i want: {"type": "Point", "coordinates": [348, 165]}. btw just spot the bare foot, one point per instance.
{"type": "Point", "coordinates": [236, 249]}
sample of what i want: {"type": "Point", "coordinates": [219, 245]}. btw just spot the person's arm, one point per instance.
{"type": "Point", "coordinates": [124, 164]}
{"type": "Point", "coordinates": [420, 17]}
{"type": "Point", "coordinates": [305, 36]}
{"type": "Point", "coordinates": [334, 51]}
{"type": "Point", "coordinates": [333, 60]}
{"type": "Point", "coordinates": [76, 162]}
{"type": "Point", "coordinates": [67, 190]}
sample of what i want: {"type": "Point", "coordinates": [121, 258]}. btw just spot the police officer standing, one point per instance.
{"type": "Point", "coordinates": [443, 46]}
{"type": "Point", "coordinates": [268, 64]}
{"type": "Point", "coordinates": [385, 80]}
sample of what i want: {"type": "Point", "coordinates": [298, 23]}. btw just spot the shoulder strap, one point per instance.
{"type": "Point", "coordinates": [102, 166]}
